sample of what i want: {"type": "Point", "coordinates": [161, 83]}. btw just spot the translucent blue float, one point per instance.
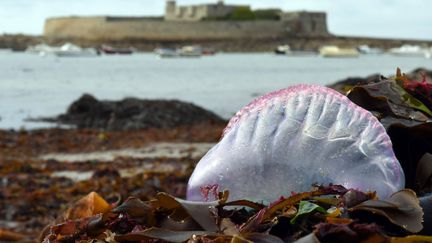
{"type": "Point", "coordinates": [287, 140]}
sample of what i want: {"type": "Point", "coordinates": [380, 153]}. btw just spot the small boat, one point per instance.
{"type": "Point", "coordinates": [113, 50]}
{"type": "Point", "coordinates": [166, 52]}
{"type": "Point", "coordinates": [286, 50]}
{"type": "Point", "coordinates": [410, 51]}
{"type": "Point", "coordinates": [334, 51]}
{"type": "Point", "coordinates": [282, 50]}
{"type": "Point", "coordinates": [71, 50]}
{"type": "Point", "coordinates": [186, 51]}
{"type": "Point", "coordinates": [190, 51]}
{"type": "Point", "coordinates": [429, 53]}
{"type": "Point", "coordinates": [366, 49]}
{"type": "Point", "coordinates": [66, 50]}
{"type": "Point", "coordinates": [208, 51]}
{"type": "Point", "coordinates": [41, 49]}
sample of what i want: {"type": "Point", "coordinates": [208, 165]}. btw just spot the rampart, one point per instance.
{"type": "Point", "coordinates": [299, 30]}
{"type": "Point", "coordinates": [117, 28]}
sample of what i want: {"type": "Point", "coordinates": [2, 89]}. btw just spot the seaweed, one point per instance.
{"type": "Point", "coordinates": [148, 207]}
{"type": "Point", "coordinates": [403, 106]}
{"type": "Point", "coordinates": [169, 219]}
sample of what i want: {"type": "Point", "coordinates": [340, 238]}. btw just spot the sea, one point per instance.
{"type": "Point", "coordinates": [33, 86]}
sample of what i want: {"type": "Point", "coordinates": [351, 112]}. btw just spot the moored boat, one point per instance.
{"type": "Point", "coordinates": [71, 50]}
{"type": "Point", "coordinates": [208, 51]}
{"type": "Point", "coordinates": [367, 50]}
{"type": "Point", "coordinates": [66, 50]}
{"type": "Point", "coordinates": [42, 49]}
{"type": "Point", "coordinates": [286, 50]}
{"type": "Point", "coordinates": [190, 51]}
{"type": "Point", "coordinates": [335, 51]}
{"type": "Point", "coordinates": [166, 52]}
{"type": "Point", "coordinates": [185, 51]}
{"type": "Point", "coordinates": [106, 49]}
{"type": "Point", "coordinates": [429, 53]}
{"type": "Point", "coordinates": [410, 51]}
{"type": "Point", "coordinates": [282, 50]}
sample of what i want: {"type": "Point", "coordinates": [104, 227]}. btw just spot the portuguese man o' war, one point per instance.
{"type": "Point", "coordinates": [285, 141]}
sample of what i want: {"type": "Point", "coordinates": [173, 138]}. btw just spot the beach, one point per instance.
{"type": "Point", "coordinates": [45, 167]}
{"type": "Point", "coordinates": [43, 171]}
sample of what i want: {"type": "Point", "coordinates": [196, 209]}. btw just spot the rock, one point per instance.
{"type": "Point", "coordinates": [134, 114]}
{"type": "Point", "coordinates": [418, 73]}
{"type": "Point", "coordinates": [345, 85]}
{"type": "Point", "coordinates": [19, 42]}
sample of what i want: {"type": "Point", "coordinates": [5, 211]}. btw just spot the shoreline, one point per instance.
{"type": "Point", "coordinates": [20, 42]}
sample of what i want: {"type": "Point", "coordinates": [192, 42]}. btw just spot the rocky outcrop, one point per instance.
{"type": "Point", "coordinates": [18, 42]}
{"type": "Point", "coordinates": [346, 84]}
{"type": "Point", "coordinates": [133, 114]}
{"type": "Point", "coordinates": [419, 73]}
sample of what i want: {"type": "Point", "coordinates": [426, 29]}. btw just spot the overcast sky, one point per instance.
{"type": "Point", "coordinates": [375, 18]}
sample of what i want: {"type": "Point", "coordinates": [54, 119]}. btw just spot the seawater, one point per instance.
{"type": "Point", "coordinates": [32, 86]}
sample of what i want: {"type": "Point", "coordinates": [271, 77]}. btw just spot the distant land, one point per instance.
{"type": "Point", "coordinates": [229, 28]}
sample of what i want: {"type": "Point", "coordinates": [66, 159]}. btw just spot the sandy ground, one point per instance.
{"type": "Point", "coordinates": [151, 152]}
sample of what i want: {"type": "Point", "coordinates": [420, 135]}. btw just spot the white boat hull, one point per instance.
{"type": "Point", "coordinates": [188, 51]}
{"type": "Point", "coordinates": [334, 51]}
{"type": "Point", "coordinates": [410, 51]}
{"type": "Point", "coordinates": [83, 53]}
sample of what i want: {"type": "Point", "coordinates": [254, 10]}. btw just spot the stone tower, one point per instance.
{"type": "Point", "coordinates": [170, 10]}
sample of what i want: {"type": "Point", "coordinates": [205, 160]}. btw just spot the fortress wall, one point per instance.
{"type": "Point", "coordinates": [101, 28]}
{"type": "Point", "coordinates": [77, 27]}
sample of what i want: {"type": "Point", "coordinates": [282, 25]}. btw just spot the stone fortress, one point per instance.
{"type": "Point", "coordinates": [221, 26]}
{"type": "Point", "coordinates": [210, 22]}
